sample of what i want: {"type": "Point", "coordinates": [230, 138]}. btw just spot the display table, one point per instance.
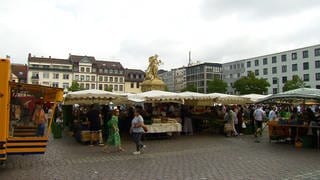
{"type": "Point", "coordinates": [164, 127]}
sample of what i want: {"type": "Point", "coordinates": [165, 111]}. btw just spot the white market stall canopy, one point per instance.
{"type": "Point", "coordinates": [190, 98]}
{"type": "Point", "coordinates": [300, 95]}
{"type": "Point", "coordinates": [255, 97]}
{"type": "Point", "coordinates": [93, 96]}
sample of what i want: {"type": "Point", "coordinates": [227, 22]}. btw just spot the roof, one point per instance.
{"type": "Point", "coordinates": [109, 64]}
{"type": "Point", "coordinates": [19, 70]}
{"type": "Point", "coordinates": [48, 60]}
{"type": "Point", "coordinates": [134, 77]}
{"type": "Point", "coordinates": [78, 58]}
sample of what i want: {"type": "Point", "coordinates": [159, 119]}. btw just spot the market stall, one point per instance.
{"type": "Point", "coordinates": [81, 101]}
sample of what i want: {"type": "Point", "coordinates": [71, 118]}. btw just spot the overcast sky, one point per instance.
{"type": "Point", "coordinates": [130, 31]}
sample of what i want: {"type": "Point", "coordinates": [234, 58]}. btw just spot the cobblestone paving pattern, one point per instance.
{"type": "Point", "coordinates": [198, 157]}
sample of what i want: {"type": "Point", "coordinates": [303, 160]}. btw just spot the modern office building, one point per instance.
{"type": "Point", "coordinates": [133, 80]}
{"type": "Point", "coordinates": [180, 81]}
{"type": "Point", "coordinates": [86, 70]}
{"type": "Point", "coordinates": [278, 68]}
{"type": "Point", "coordinates": [200, 74]}
{"type": "Point", "coordinates": [168, 78]}
{"type": "Point", "coordinates": [231, 72]}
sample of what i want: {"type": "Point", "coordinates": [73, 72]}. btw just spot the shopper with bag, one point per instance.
{"type": "Point", "coordinates": [137, 129]}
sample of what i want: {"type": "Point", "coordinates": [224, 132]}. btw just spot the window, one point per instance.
{"type": "Point", "coordinates": [284, 79]}
{"type": "Point", "coordinates": [305, 54]}
{"type": "Point", "coordinates": [121, 79]}
{"type": "Point", "coordinates": [55, 84]}
{"type": "Point", "coordinates": [106, 71]}
{"type": "Point", "coordinates": [65, 76]}
{"type": "Point", "coordinates": [105, 78]}
{"type": "Point", "coordinates": [100, 86]}
{"type": "Point", "coordinates": [55, 75]}
{"type": "Point", "coordinates": [230, 75]}
{"type": "Point", "coordinates": [94, 70]}
{"type": "Point", "coordinates": [256, 72]}
{"type": "Point", "coordinates": [265, 71]}
{"type": "Point", "coordinates": [317, 64]}
{"type": "Point", "coordinates": [305, 66]}
{"type": "Point", "coordinates": [120, 87]}
{"type": "Point", "coordinates": [93, 86]}
{"type": "Point", "coordinates": [45, 75]}
{"type": "Point", "coordinates": [87, 86]}
{"type": "Point", "coordinates": [265, 61]}
{"type": "Point", "coordinates": [110, 79]}
{"type": "Point", "coordinates": [283, 57]}
{"type": "Point", "coordinates": [317, 52]}
{"type": "Point", "coordinates": [106, 87]}
{"type": "Point", "coordinates": [274, 70]}
{"type": "Point", "coordinates": [249, 64]}
{"type": "Point", "coordinates": [138, 85]}
{"type": "Point", "coordinates": [274, 80]}
{"type": "Point", "coordinates": [82, 85]}
{"type": "Point", "coordinates": [317, 76]}
{"type": "Point", "coordinates": [65, 85]}
{"type": "Point", "coordinates": [116, 79]}
{"type": "Point", "coordinates": [82, 69]}
{"type": "Point", "coordinates": [256, 62]}
{"type": "Point", "coordinates": [87, 78]}
{"type": "Point", "coordinates": [294, 56]}
{"type": "Point", "coordinates": [238, 75]}
{"type": "Point", "coordinates": [87, 69]}
{"type": "Point", "coordinates": [274, 59]}
{"type": "Point", "coordinates": [76, 77]}
{"type": "Point", "coordinates": [121, 72]}
{"type": "Point", "coordinates": [93, 78]}
{"type": "Point", "coordinates": [275, 90]}
{"type": "Point", "coordinates": [132, 85]}
{"type": "Point", "coordinates": [116, 71]}
{"type": "Point", "coordinates": [82, 78]}
{"type": "Point", "coordinates": [100, 78]}
{"type": "Point", "coordinates": [306, 77]}
{"type": "Point", "coordinates": [284, 68]}
{"type": "Point", "coordinates": [115, 87]}
{"type": "Point", "coordinates": [294, 67]}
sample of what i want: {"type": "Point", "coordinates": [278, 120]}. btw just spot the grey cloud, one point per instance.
{"type": "Point", "coordinates": [211, 9]}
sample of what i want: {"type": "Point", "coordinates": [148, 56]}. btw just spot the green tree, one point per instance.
{"type": "Point", "coordinates": [75, 86]}
{"type": "Point", "coordinates": [190, 87]}
{"type": "Point", "coordinates": [295, 83]}
{"type": "Point", "coordinates": [251, 84]}
{"type": "Point", "coordinates": [217, 85]}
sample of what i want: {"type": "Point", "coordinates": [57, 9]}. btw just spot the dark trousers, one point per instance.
{"type": "Point", "coordinates": [137, 139]}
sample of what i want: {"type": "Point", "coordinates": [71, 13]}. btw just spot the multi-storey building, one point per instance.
{"type": "Point", "coordinates": [49, 71]}
{"type": "Point", "coordinates": [133, 80]}
{"type": "Point", "coordinates": [200, 74]}
{"type": "Point", "coordinates": [168, 78]}
{"type": "Point", "coordinates": [86, 70]}
{"type": "Point", "coordinates": [278, 68]}
{"type": "Point", "coordinates": [179, 79]}
{"type": "Point", "coordinates": [231, 72]}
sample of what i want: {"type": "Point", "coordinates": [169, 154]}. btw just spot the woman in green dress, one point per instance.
{"type": "Point", "coordinates": [113, 141]}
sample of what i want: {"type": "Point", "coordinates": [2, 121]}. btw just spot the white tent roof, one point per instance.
{"type": "Point", "coordinates": [93, 96]}
{"type": "Point", "coordinates": [255, 97]}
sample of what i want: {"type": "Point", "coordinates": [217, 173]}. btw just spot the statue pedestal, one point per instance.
{"type": "Point", "coordinates": [154, 84]}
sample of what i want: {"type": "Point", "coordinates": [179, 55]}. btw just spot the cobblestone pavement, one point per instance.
{"type": "Point", "coordinates": [184, 157]}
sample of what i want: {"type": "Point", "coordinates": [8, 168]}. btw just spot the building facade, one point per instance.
{"type": "Point", "coordinates": [86, 70]}
{"type": "Point", "coordinates": [168, 78]}
{"type": "Point", "coordinates": [180, 81]}
{"type": "Point", "coordinates": [278, 68]}
{"type": "Point", "coordinates": [200, 74]}
{"type": "Point", "coordinates": [133, 80]}
{"type": "Point", "coordinates": [231, 72]}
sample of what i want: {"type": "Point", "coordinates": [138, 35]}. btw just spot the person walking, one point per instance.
{"type": "Point", "coordinates": [114, 140]}
{"type": "Point", "coordinates": [95, 120]}
{"type": "Point", "coordinates": [259, 116]}
{"type": "Point", "coordinates": [137, 130]}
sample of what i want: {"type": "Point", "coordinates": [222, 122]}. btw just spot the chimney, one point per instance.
{"type": "Point", "coordinates": [29, 55]}
{"type": "Point", "coordinates": [189, 58]}
{"type": "Point", "coordinates": [7, 56]}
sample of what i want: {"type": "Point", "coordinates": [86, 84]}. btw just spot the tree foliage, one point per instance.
{"type": "Point", "coordinates": [217, 86]}
{"type": "Point", "coordinates": [190, 87]}
{"type": "Point", "coordinates": [295, 83]}
{"type": "Point", "coordinates": [74, 86]}
{"type": "Point", "coordinates": [251, 84]}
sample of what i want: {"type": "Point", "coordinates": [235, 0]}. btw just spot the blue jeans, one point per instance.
{"type": "Point", "coordinates": [137, 139]}
{"type": "Point", "coordinates": [40, 129]}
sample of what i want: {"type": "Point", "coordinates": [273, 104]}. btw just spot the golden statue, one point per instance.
{"type": "Point", "coordinates": [152, 71]}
